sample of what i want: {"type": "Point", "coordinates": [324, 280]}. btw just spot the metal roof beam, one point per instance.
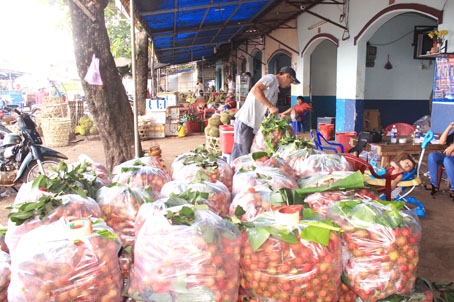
{"type": "Point", "coordinates": [278, 41]}
{"type": "Point", "coordinates": [163, 34]}
{"type": "Point", "coordinates": [201, 24]}
{"type": "Point", "coordinates": [226, 22]}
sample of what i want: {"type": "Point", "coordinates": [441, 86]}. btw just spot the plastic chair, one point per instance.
{"type": "Point", "coordinates": [322, 144]}
{"type": "Point", "coordinates": [403, 129]}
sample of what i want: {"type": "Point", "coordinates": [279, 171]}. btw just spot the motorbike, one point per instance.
{"type": "Point", "coordinates": [22, 156]}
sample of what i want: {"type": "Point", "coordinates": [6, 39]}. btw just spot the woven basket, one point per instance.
{"type": "Point", "coordinates": [53, 107]}
{"type": "Point", "coordinates": [56, 131]}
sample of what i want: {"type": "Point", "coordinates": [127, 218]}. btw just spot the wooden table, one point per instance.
{"type": "Point", "coordinates": [387, 150]}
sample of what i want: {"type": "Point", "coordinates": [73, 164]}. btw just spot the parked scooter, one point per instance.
{"type": "Point", "coordinates": [22, 157]}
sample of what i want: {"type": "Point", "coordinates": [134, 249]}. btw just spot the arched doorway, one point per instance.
{"type": "Point", "coordinates": [389, 90]}
{"type": "Point", "coordinates": [323, 78]}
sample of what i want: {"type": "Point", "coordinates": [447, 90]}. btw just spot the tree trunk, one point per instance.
{"type": "Point", "coordinates": [142, 71]}
{"type": "Point", "coordinates": [108, 103]}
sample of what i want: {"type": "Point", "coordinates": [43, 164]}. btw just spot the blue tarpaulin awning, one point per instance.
{"type": "Point", "coordinates": [183, 31]}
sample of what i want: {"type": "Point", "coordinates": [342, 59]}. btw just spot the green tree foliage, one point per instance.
{"type": "Point", "coordinates": [118, 29]}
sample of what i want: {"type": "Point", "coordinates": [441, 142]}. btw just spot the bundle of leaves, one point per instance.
{"type": "Point", "coordinates": [273, 132]}
{"type": "Point", "coordinates": [76, 180]}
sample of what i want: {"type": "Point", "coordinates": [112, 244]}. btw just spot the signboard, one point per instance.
{"type": "Point", "coordinates": [443, 88]}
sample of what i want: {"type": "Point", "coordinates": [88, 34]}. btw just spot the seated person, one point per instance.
{"type": "Point", "coordinates": [230, 103]}
{"type": "Point", "coordinates": [300, 109]}
{"type": "Point", "coordinates": [445, 159]}
{"type": "Point", "coordinates": [397, 170]}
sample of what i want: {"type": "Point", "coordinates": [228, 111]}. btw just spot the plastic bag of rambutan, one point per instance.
{"type": "Point", "coordinates": [380, 247]}
{"type": "Point", "coordinates": [285, 260]}
{"type": "Point", "coordinates": [67, 260]}
{"type": "Point", "coordinates": [184, 253]}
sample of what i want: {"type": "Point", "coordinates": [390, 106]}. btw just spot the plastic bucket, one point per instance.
{"type": "Point", "coordinates": [193, 126]}
{"type": "Point", "coordinates": [327, 130]}
{"type": "Point", "coordinates": [181, 132]}
{"type": "Point", "coordinates": [343, 138]}
{"type": "Point", "coordinates": [226, 133]}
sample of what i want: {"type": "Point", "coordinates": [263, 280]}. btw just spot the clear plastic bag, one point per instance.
{"type": "Point", "coordinates": [278, 270]}
{"type": "Point", "coordinates": [424, 123]}
{"type": "Point", "coordinates": [321, 163]}
{"type": "Point", "coordinates": [73, 205]}
{"type": "Point", "coordinates": [191, 166]}
{"type": "Point", "coordinates": [49, 266]}
{"type": "Point", "coordinates": [27, 193]}
{"type": "Point", "coordinates": [254, 201]}
{"type": "Point", "coordinates": [138, 173]}
{"type": "Point", "coordinates": [247, 161]}
{"type": "Point", "coordinates": [381, 247]}
{"type": "Point", "coordinates": [120, 205]}
{"type": "Point", "coordinates": [219, 197]}
{"type": "Point", "coordinates": [5, 275]}
{"type": "Point", "coordinates": [320, 201]}
{"type": "Point", "coordinates": [243, 180]}
{"type": "Point", "coordinates": [322, 179]}
{"type": "Point", "coordinates": [100, 170]}
{"type": "Point", "coordinates": [198, 262]}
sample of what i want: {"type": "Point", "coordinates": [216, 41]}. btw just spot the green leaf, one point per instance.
{"type": "Point", "coordinates": [30, 206]}
{"type": "Point", "coordinates": [259, 155]}
{"type": "Point", "coordinates": [239, 211]}
{"type": "Point", "coordinates": [106, 234]}
{"type": "Point", "coordinates": [308, 214]}
{"type": "Point", "coordinates": [208, 234]}
{"type": "Point", "coordinates": [283, 234]}
{"type": "Point", "coordinates": [257, 236]}
{"type": "Point", "coordinates": [290, 196]}
{"type": "Point", "coordinates": [352, 181]}
{"type": "Point", "coordinates": [316, 234]}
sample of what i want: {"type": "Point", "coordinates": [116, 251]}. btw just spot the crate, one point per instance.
{"type": "Point", "coordinates": [144, 134]}
{"type": "Point", "coordinates": [213, 144]}
{"type": "Point", "coordinates": [156, 131]}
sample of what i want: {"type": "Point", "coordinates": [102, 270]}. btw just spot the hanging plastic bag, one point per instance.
{"type": "Point", "coordinates": [93, 76]}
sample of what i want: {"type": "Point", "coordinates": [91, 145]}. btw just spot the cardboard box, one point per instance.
{"type": "Point", "coordinates": [173, 112]}
{"type": "Point", "coordinates": [371, 120]}
{"type": "Point", "coordinates": [156, 131]}
{"type": "Point", "coordinates": [157, 116]}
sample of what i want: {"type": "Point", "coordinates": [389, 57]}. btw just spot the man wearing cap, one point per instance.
{"type": "Point", "coordinates": [261, 99]}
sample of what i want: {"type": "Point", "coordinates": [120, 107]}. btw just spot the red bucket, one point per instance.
{"type": "Point", "coordinates": [226, 138]}
{"type": "Point", "coordinates": [343, 138]}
